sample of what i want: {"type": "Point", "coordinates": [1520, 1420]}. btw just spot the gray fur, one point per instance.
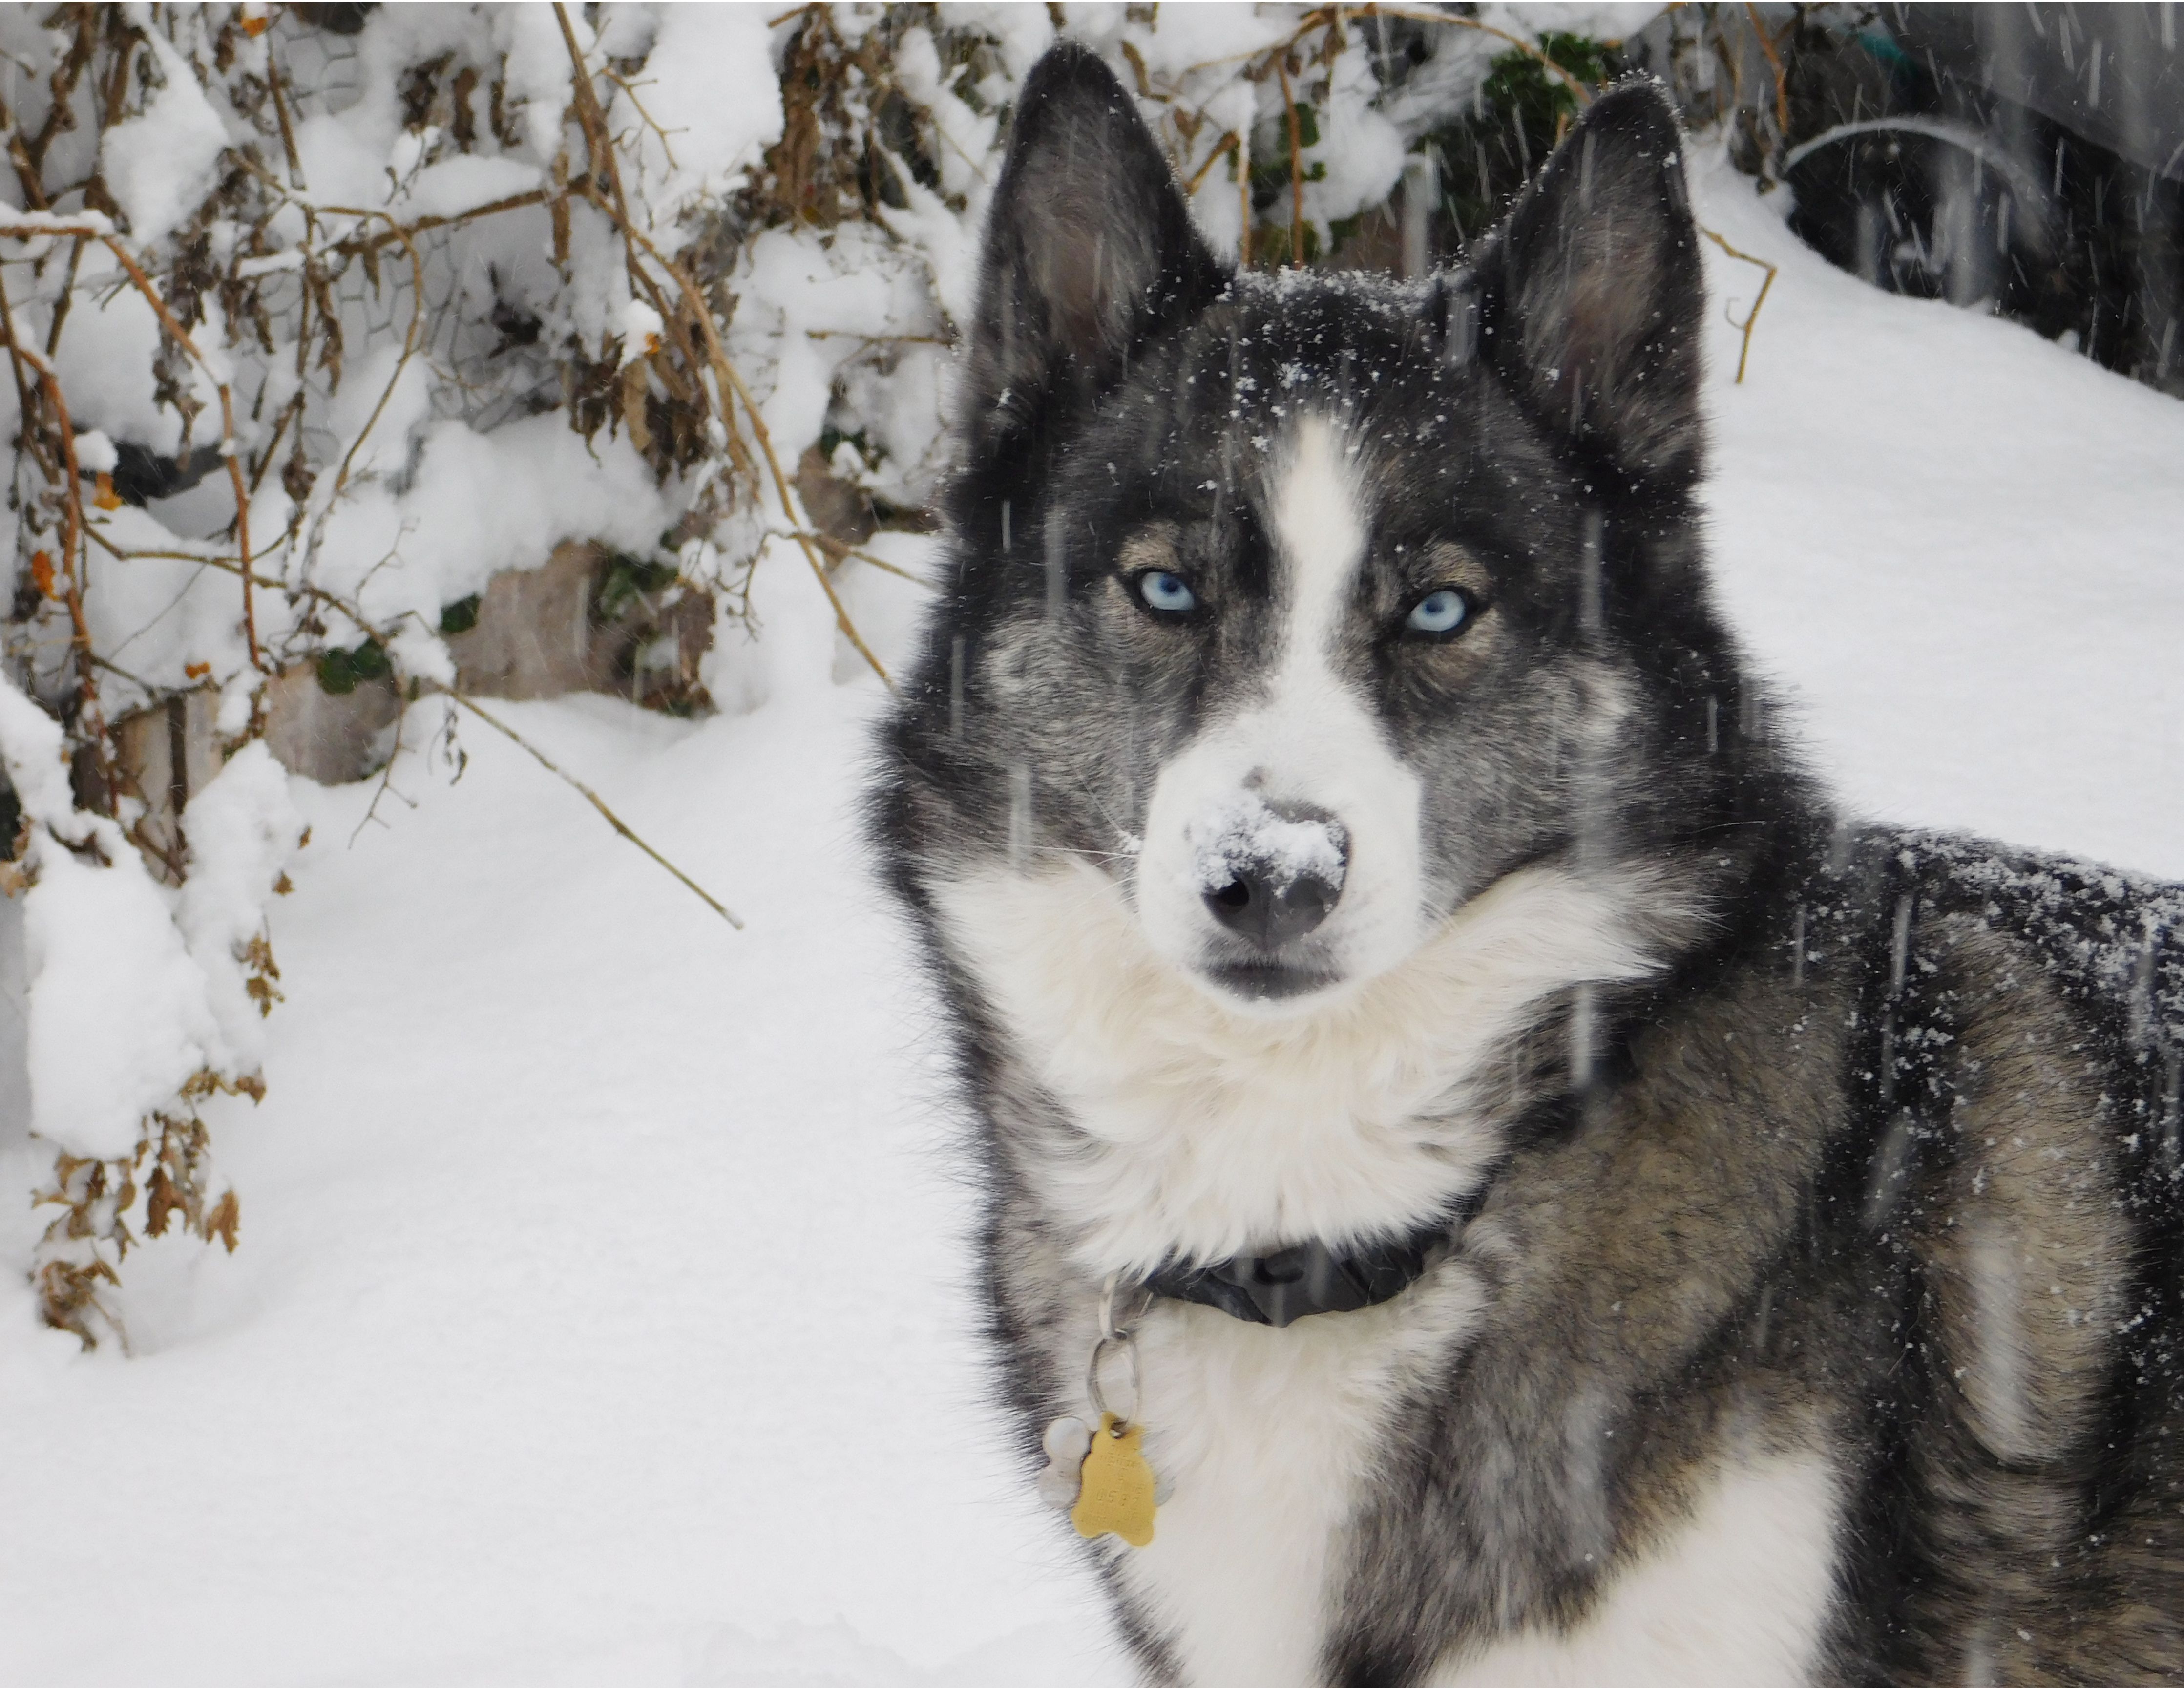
{"type": "Point", "coordinates": [1884, 1161]}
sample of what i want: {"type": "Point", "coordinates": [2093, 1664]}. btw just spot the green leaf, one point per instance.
{"type": "Point", "coordinates": [340, 672]}
{"type": "Point", "coordinates": [628, 580]}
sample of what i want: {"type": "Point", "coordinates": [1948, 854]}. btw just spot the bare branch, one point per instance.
{"type": "Point", "coordinates": [595, 799]}
{"type": "Point", "coordinates": [725, 373]}
{"type": "Point", "coordinates": [1751, 316]}
{"type": "Point", "coordinates": [1296, 166]}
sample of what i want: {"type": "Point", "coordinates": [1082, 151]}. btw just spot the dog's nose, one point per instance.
{"type": "Point", "coordinates": [1288, 884]}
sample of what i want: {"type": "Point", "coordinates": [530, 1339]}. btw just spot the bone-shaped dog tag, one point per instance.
{"type": "Point", "coordinates": [1066, 1441]}
{"type": "Point", "coordinates": [1117, 1494]}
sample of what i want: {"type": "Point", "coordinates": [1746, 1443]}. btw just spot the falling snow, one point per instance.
{"type": "Point", "coordinates": [603, 1315]}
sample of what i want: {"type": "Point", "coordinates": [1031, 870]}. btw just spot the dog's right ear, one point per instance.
{"type": "Point", "coordinates": [1089, 252]}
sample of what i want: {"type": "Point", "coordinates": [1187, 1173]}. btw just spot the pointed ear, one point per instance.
{"type": "Point", "coordinates": [1088, 251]}
{"type": "Point", "coordinates": [1594, 290]}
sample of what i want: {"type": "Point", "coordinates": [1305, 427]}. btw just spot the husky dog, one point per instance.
{"type": "Point", "coordinates": [1548, 1201]}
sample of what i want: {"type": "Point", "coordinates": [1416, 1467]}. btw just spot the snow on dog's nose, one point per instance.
{"type": "Point", "coordinates": [1268, 873]}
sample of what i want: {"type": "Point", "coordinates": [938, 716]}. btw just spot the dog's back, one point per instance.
{"type": "Point", "coordinates": [2023, 1048]}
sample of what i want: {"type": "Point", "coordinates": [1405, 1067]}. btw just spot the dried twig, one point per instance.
{"type": "Point", "coordinates": [70, 578]}
{"type": "Point", "coordinates": [725, 372]}
{"type": "Point", "coordinates": [1243, 195]}
{"type": "Point", "coordinates": [592, 121]}
{"type": "Point", "coordinates": [385, 789]}
{"type": "Point", "coordinates": [418, 226]}
{"type": "Point", "coordinates": [229, 448]}
{"type": "Point", "coordinates": [788, 507]}
{"type": "Point", "coordinates": [15, 361]}
{"type": "Point", "coordinates": [280, 115]}
{"type": "Point", "coordinates": [1326, 17]}
{"type": "Point", "coordinates": [1751, 316]}
{"type": "Point", "coordinates": [593, 798]}
{"type": "Point", "coordinates": [1774, 62]}
{"type": "Point", "coordinates": [386, 392]}
{"type": "Point", "coordinates": [1296, 166]}
{"type": "Point", "coordinates": [66, 299]}
{"type": "Point", "coordinates": [71, 532]}
{"type": "Point", "coordinates": [1222, 148]}
{"type": "Point", "coordinates": [838, 549]}
{"type": "Point", "coordinates": [290, 412]}
{"type": "Point", "coordinates": [381, 637]}
{"type": "Point", "coordinates": [637, 106]}
{"type": "Point", "coordinates": [591, 118]}
{"type": "Point", "coordinates": [878, 339]}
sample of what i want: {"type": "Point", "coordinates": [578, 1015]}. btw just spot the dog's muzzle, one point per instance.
{"type": "Point", "coordinates": [1270, 872]}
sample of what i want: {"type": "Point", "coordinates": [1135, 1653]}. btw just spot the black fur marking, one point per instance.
{"type": "Point", "coordinates": [1884, 1166]}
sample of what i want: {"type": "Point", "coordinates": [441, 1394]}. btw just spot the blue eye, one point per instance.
{"type": "Point", "coordinates": [1439, 614]}
{"type": "Point", "coordinates": [1165, 593]}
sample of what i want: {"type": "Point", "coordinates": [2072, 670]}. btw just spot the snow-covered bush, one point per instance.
{"type": "Point", "coordinates": [322, 318]}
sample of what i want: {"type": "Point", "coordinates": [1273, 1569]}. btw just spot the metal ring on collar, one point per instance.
{"type": "Point", "coordinates": [1123, 1340]}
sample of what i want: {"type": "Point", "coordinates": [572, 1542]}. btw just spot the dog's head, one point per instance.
{"type": "Point", "coordinates": [1307, 606]}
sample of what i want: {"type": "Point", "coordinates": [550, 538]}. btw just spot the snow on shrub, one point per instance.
{"type": "Point", "coordinates": [141, 1002]}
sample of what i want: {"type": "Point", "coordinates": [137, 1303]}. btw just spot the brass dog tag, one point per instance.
{"type": "Point", "coordinates": [1117, 1497]}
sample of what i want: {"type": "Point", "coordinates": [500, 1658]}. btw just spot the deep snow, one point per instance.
{"type": "Point", "coordinates": [599, 1316]}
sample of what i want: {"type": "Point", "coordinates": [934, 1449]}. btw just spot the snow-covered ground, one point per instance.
{"type": "Point", "coordinates": [600, 1316]}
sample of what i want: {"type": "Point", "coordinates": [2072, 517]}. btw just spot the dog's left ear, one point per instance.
{"type": "Point", "coordinates": [1594, 290]}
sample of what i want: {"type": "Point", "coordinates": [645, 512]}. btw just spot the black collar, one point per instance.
{"type": "Point", "coordinates": [1311, 1278]}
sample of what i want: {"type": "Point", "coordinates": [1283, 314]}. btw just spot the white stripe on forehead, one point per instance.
{"type": "Point", "coordinates": [1319, 539]}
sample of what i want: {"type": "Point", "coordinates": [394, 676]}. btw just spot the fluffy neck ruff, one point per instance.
{"type": "Point", "coordinates": [1191, 1132]}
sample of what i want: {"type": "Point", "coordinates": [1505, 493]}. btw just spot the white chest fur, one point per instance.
{"type": "Point", "coordinates": [1263, 1436]}
{"type": "Point", "coordinates": [1193, 1132]}
{"type": "Point", "coordinates": [1199, 1132]}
